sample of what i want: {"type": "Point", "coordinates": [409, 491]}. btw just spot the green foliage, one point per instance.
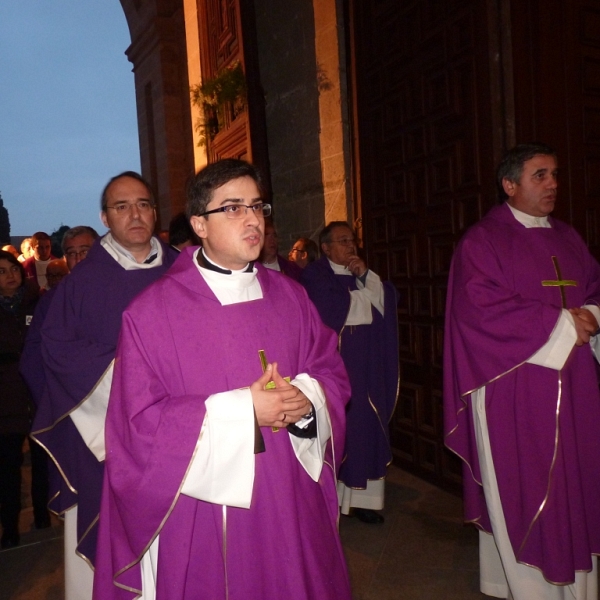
{"type": "Point", "coordinates": [56, 236]}
{"type": "Point", "coordinates": [4, 224]}
{"type": "Point", "coordinates": [221, 99]}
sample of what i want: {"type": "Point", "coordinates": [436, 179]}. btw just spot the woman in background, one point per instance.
{"type": "Point", "coordinates": [17, 302]}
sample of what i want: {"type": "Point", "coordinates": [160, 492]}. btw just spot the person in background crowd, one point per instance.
{"type": "Point", "coordinates": [17, 302]}
{"type": "Point", "coordinates": [76, 243]}
{"type": "Point", "coordinates": [26, 250]}
{"type": "Point", "coordinates": [353, 301]}
{"type": "Point", "coordinates": [270, 258]}
{"type": "Point", "coordinates": [12, 250]}
{"type": "Point", "coordinates": [304, 252]}
{"type": "Point", "coordinates": [35, 267]}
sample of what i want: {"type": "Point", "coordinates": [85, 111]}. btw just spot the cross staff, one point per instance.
{"type": "Point", "coordinates": [559, 282]}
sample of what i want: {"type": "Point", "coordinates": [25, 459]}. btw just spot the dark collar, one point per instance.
{"type": "Point", "coordinates": [207, 264]}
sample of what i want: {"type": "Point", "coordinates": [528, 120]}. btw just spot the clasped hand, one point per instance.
{"type": "Point", "coordinates": [585, 325]}
{"type": "Point", "coordinates": [281, 405]}
{"type": "Point", "coordinates": [356, 265]}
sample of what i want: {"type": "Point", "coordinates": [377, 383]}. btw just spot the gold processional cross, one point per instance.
{"type": "Point", "coordinates": [559, 282]}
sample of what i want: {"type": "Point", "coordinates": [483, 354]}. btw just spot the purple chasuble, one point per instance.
{"type": "Point", "coordinates": [79, 338]}
{"type": "Point", "coordinates": [370, 353]}
{"type": "Point", "coordinates": [543, 424]}
{"type": "Point", "coordinates": [289, 268]}
{"type": "Point", "coordinates": [178, 346]}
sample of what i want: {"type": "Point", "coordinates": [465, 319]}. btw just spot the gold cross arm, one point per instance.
{"type": "Point", "coordinates": [559, 282]}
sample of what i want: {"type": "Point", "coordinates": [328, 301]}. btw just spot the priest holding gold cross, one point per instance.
{"type": "Point", "coordinates": [521, 398]}
{"type": "Point", "coordinates": [226, 423]}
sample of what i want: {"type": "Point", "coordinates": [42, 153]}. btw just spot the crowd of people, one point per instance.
{"type": "Point", "coordinates": [160, 452]}
{"type": "Point", "coordinates": [209, 407]}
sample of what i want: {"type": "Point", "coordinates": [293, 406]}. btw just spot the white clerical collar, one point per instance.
{"type": "Point", "coordinates": [126, 259]}
{"type": "Point", "coordinates": [340, 269]}
{"type": "Point", "coordinates": [274, 266]}
{"type": "Point", "coordinates": [529, 221]}
{"type": "Point", "coordinates": [238, 286]}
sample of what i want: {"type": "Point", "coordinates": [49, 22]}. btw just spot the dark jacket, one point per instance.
{"type": "Point", "coordinates": [15, 405]}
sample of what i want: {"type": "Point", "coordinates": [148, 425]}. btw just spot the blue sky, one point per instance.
{"type": "Point", "coordinates": [67, 110]}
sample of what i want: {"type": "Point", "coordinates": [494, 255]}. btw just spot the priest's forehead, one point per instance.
{"type": "Point", "coordinates": [201, 190]}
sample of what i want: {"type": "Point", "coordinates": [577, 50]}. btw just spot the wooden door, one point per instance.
{"type": "Point", "coordinates": [423, 131]}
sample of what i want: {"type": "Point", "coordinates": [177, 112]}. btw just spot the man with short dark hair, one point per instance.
{"type": "Point", "coordinates": [76, 243]}
{"type": "Point", "coordinates": [79, 339]}
{"type": "Point", "coordinates": [353, 301]}
{"type": "Point", "coordinates": [35, 266]}
{"type": "Point", "coordinates": [220, 478]}
{"type": "Point", "coordinates": [521, 399]}
{"type": "Point", "coordinates": [303, 252]}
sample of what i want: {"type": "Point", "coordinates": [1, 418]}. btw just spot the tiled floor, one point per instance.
{"type": "Point", "coordinates": [421, 552]}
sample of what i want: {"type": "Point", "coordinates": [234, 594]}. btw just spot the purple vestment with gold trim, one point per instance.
{"type": "Point", "coordinates": [370, 353]}
{"type": "Point", "coordinates": [178, 346]}
{"type": "Point", "coordinates": [543, 424]}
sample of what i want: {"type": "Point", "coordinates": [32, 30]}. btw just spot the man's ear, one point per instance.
{"type": "Point", "coordinates": [325, 249]}
{"type": "Point", "coordinates": [510, 187]}
{"type": "Point", "coordinates": [199, 226]}
{"type": "Point", "coordinates": [103, 219]}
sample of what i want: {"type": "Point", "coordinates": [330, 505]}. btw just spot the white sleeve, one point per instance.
{"type": "Point", "coordinates": [310, 452]}
{"type": "Point", "coordinates": [368, 295]}
{"type": "Point", "coordinates": [89, 417]}
{"type": "Point", "coordinates": [222, 469]}
{"type": "Point", "coordinates": [554, 353]}
{"type": "Point", "coordinates": [595, 339]}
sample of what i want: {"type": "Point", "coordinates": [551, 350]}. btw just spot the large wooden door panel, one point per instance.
{"type": "Point", "coordinates": [423, 123]}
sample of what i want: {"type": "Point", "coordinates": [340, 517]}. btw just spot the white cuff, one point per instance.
{"type": "Point", "coordinates": [595, 310]}
{"type": "Point", "coordinates": [89, 417]}
{"type": "Point", "coordinates": [595, 339]}
{"type": "Point", "coordinates": [222, 469]}
{"type": "Point", "coordinates": [310, 452]}
{"type": "Point", "coordinates": [373, 289]}
{"type": "Point", "coordinates": [554, 353]}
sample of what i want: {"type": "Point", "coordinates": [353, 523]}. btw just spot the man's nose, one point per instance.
{"type": "Point", "coordinates": [251, 218]}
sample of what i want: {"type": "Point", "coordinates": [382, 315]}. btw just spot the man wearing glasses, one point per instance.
{"type": "Point", "coordinates": [304, 252]}
{"type": "Point", "coordinates": [76, 243]}
{"type": "Point", "coordinates": [79, 339]}
{"type": "Point", "coordinates": [352, 300]}
{"type": "Point", "coordinates": [225, 423]}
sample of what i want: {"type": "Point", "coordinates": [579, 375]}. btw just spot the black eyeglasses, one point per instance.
{"type": "Point", "coordinates": [238, 211]}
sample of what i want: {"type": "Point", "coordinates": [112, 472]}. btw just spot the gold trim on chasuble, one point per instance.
{"type": "Point", "coordinates": [153, 537]}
